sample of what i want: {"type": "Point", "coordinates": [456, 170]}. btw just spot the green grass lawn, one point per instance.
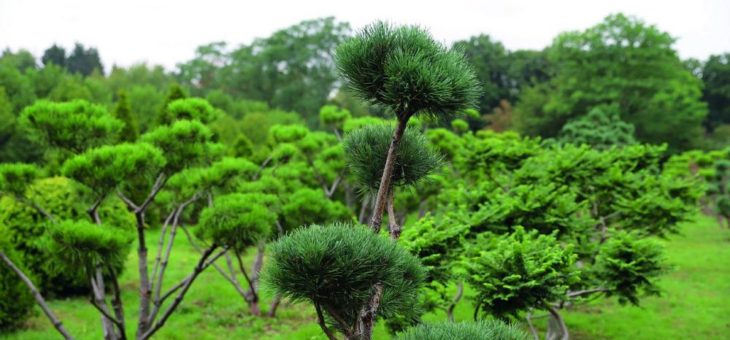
{"type": "Point", "coordinates": [695, 303]}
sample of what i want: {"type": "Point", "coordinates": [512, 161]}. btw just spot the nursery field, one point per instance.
{"type": "Point", "coordinates": [695, 302]}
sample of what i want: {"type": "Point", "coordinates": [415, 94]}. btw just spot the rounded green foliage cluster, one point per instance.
{"type": "Point", "coordinates": [366, 150]}
{"type": "Point", "coordinates": [237, 220]}
{"type": "Point", "coordinates": [601, 128]}
{"type": "Point", "coordinates": [490, 329]}
{"type": "Point", "coordinates": [74, 126]}
{"type": "Point", "coordinates": [546, 208]}
{"type": "Point", "coordinates": [359, 122]}
{"type": "Point", "coordinates": [286, 133]}
{"type": "Point", "coordinates": [511, 273]}
{"type": "Point", "coordinates": [331, 115]}
{"type": "Point", "coordinates": [406, 70]}
{"type": "Point", "coordinates": [105, 168]}
{"type": "Point", "coordinates": [26, 228]}
{"type": "Point", "coordinates": [336, 267]}
{"type": "Point", "coordinates": [80, 245]}
{"type": "Point", "coordinates": [16, 302]}
{"type": "Point", "coordinates": [15, 177]}
{"type": "Point", "coordinates": [184, 143]}
{"type": "Point", "coordinates": [459, 126]}
{"type": "Point", "coordinates": [189, 109]}
{"type": "Point", "coordinates": [629, 264]}
{"type": "Point", "coordinates": [307, 206]}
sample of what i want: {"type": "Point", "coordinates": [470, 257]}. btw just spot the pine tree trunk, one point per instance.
{"type": "Point", "coordinates": [381, 197]}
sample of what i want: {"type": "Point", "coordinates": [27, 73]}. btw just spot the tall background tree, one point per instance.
{"type": "Point", "coordinates": [620, 61]}
{"type": "Point", "coordinates": [84, 60]}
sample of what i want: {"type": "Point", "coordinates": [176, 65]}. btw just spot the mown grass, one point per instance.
{"type": "Point", "coordinates": [695, 303]}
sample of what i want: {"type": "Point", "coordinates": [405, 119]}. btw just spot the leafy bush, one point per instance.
{"type": "Point", "coordinates": [628, 264]}
{"type": "Point", "coordinates": [514, 272]}
{"type": "Point", "coordinates": [16, 301]}
{"type": "Point", "coordinates": [27, 227]}
{"type": "Point", "coordinates": [490, 329]}
{"type": "Point", "coordinates": [335, 267]}
{"type": "Point", "coordinates": [601, 128]}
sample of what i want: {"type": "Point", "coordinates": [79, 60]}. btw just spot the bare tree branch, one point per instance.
{"type": "Point", "coordinates": [322, 323]}
{"type": "Point", "coordinates": [38, 297]}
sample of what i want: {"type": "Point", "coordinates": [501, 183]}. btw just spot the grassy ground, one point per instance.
{"type": "Point", "coordinates": [695, 302]}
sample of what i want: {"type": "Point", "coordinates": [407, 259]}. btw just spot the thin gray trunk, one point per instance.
{"type": "Point", "coordinates": [38, 297]}
{"type": "Point", "coordinates": [381, 196]}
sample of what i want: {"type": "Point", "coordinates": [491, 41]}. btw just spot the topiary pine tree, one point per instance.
{"type": "Point", "coordinates": [335, 267]}
{"type": "Point", "coordinates": [405, 70]}
{"type": "Point", "coordinates": [107, 170]}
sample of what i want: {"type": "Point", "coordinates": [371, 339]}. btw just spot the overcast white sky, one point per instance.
{"type": "Point", "coordinates": [168, 31]}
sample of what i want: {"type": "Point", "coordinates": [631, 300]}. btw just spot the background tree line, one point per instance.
{"type": "Point", "coordinates": [621, 62]}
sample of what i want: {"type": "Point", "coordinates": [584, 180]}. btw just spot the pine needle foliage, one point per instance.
{"type": "Point", "coordinates": [190, 109]}
{"type": "Point", "coordinates": [184, 143]}
{"type": "Point", "coordinates": [237, 221]}
{"type": "Point", "coordinates": [307, 206]}
{"type": "Point", "coordinates": [74, 126]}
{"type": "Point", "coordinates": [407, 71]}
{"type": "Point", "coordinates": [81, 245]}
{"type": "Point", "coordinates": [336, 266]}
{"type": "Point", "coordinates": [105, 168]}
{"type": "Point", "coordinates": [490, 329]}
{"type": "Point", "coordinates": [15, 177]}
{"type": "Point", "coordinates": [366, 151]}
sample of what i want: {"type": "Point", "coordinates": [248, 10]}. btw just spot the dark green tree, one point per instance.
{"type": "Point", "coordinates": [620, 61]}
{"type": "Point", "coordinates": [54, 55]}
{"type": "Point", "coordinates": [405, 70]}
{"type": "Point", "coordinates": [716, 92]}
{"type": "Point", "coordinates": [601, 128]}
{"type": "Point", "coordinates": [84, 61]}
{"type": "Point", "coordinates": [130, 132]}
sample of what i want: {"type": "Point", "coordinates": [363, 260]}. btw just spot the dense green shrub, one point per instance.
{"type": "Point", "coordinates": [27, 227]}
{"type": "Point", "coordinates": [601, 128]}
{"type": "Point", "coordinates": [335, 267]}
{"type": "Point", "coordinates": [490, 329]}
{"type": "Point", "coordinates": [517, 271]}
{"type": "Point", "coordinates": [16, 301]}
{"type": "Point", "coordinates": [628, 265]}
